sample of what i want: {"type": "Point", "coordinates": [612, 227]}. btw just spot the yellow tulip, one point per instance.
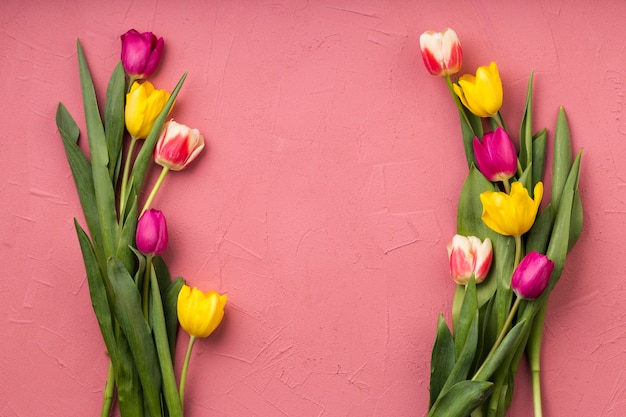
{"type": "Point", "coordinates": [200, 313]}
{"type": "Point", "coordinates": [481, 94]}
{"type": "Point", "coordinates": [143, 105]}
{"type": "Point", "coordinates": [511, 214]}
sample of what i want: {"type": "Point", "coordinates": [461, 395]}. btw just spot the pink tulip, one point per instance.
{"type": "Point", "coordinates": [495, 155]}
{"type": "Point", "coordinates": [141, 53]}
{"type": "Point", "coordinates": [469, 256]}
{"type": "Point", "coordinates": [532, 275]}
{"type": "Point", "coordinates": [177, 146]}
{"type": "Point", "coordinates": [151, 237]}
{"type": "Point", "coordinates": [441, 52]}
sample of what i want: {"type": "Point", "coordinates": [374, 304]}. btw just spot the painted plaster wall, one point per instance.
{"type": "Point", "coordinates": [323, 204]}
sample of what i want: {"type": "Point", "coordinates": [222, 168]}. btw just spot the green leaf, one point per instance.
{"type": "Point", "coordinates": [442, 359]}
{"type": "Point", "coordinates": [144, 157]}
{"type": "Point", "coordinates": [126, 241]}
{"type": "Point", "coordinates": [465, 358]}
{"type": "Point", "coordinates": [539, 155]}
{"type": "Point", "coordinates": [157, 319]}
{"type": "Point", "coordinates": [576, 220]}
{"type": "Point", "coordinates": [169, 295]}
{"type": "Point", "coordinates": [509, 344]}
{"type": "Point", "coordinates": [562, 156]}
{"type": "Point", "coordinates": [81, 171]}
{"type": "Point", "coordinates": [471, 127]}
{"type": "Point", "coordinates": [466, 318]}
{"type": "Point", "coordinates": [66, 124]}
{"type": "Point", "coordinates": [97, 292]}
{"type": "Point", "coordinates": [127, 310]}
{"type": "Point", "coordinates": [104, 193]}
{"type": "Point", "coordinates": [526, 140]}
{"type": "Point", "coordinates": [461, 399]}
{"type": "Point", "coordinates": [539, 234]}
{"type": "Point", "coordinates": [129, 394]}
{"type": "Point", "coordinates": [114, 119]}
{"type": "Point", "coordinates": [559, 241]}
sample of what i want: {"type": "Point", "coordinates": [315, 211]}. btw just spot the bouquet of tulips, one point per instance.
{"type": "Point", "coordinates": [137, 305]}
{"type": "Point", "coordinates": [507, 255]}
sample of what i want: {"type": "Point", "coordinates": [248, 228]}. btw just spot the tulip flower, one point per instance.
{"type": "Point", "coordinates": [532, 275]}
{"type": "Point", "coordinates": [144, 103]}
{"type": "Point", "coordinates": [441, 52]}
{"type": "Point", "coordinates": [151, 236]}
{"type": "Point", "coordinates": [469, 256]}
{"type": "Point", "coordinates": [481, 94]}
{"type": "Point", "coordinates": [177, 146]}
{"type": "Point", "coordinates": [511, 214]}
{"type": "Point", "coordinates": [495, 155]}
{"type": "Point", "coordinates": [141, 54]}
{"type": "Point", "coordinates": [199, 314]}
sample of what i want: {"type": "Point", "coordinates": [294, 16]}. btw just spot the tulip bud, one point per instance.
{"type": "Point", "coordinates": [469, 256]}
{"type": "Point", "coordinates": [141, 53]}
{"type": "Point", "coordinates": [495, 155]}
{"type": "Point", "coordinates": [481, 94]}
{"type": "Point", "coordinates": [532, 275]}
{"type": "Point", "coordinates": [441, 52]}
{"type": "Point", "coordinates": [144, 103]}
{"type": "Point", "coordinates": [199, 313]}
{"type": "Point", "coordinates": [177, 146]}
{"type": "Point", "coordinates": [151, 237]}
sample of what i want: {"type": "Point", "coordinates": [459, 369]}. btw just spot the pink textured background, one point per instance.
{"type": "Point", "coordinates": [323, 204]}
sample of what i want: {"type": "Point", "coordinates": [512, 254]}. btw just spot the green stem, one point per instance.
{"type": "Point", "coordinates": [502, 334]}
{"type": "Point", "coordinates": [183, 376]}
{"type": "Point", "coordinates": [497, 118]}
{"type": "Point", "coordinates": [125, 174]}
{"type": "Point", "coordinates": [155, 189]}
{"type": "Point", "coordinates": [536, 393]}
{"type": "Point", "coordinates": [533, 349]}
{"type": "Point", "coordinates": [518, 251]}
{"type": "Point", "coordinates": [459, 104]}
{"type": "Point", "coordinates": [507, 186]}
{"type": "Point", "coordinates": [109, 388]}
{"type": "Point", "coordinates": [146, 287]}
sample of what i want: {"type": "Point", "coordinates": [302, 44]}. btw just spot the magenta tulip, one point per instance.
{"type": "Point", "coordinates": [495, 155]}
{"type": "Point", "coordinates": [441, 52]}
{"type": "Point", "coordinates": [151, 237]}
{"type": "Point", "coordinates": [469, 256]}
{"type": "Point", "coordinates": [141, 53]}
{"type": "Point", "coordinates": [532, 275]}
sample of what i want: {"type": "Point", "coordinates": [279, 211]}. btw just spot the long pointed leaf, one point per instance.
{"type": "Point", "coordinates": [461, 399]}
{"type": "Point", "coordinates": [526, 140]}
{"type": "Point", "coordinates": [157, 319]}
{"type": "Point", "coordinates": [97, 292]}
{"type": "Point", "coordinates": [114, 119]}
{"type": "Point", "coordinates": [104, 193]}
{"type": "Point", "coordinates": [81, 171]}
{"type": "Point", "coordinates": [442, 359]}
{"type": "Point", "coordinates": [128, 312]}
{"type": "Point", "coordinates": [562, 156]}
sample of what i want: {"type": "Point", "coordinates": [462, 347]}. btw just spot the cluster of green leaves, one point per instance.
{"type": "Point", "coordinates": [140, 348]}
{"type": "Point", "coordinates": [465, 378]}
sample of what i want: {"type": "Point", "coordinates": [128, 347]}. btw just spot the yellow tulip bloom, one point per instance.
{"type": "Point", "coordinates": [511, 214]}
{"type": "Point", "coordinates": [143, 105]}
{"type": "Point", "coordinates": [199, 313]}
{"type": "Point", "coordinates": [481, 94]}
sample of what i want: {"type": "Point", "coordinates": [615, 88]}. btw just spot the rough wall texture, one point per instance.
{"type": "Point", "coordinates": [323, 204]}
